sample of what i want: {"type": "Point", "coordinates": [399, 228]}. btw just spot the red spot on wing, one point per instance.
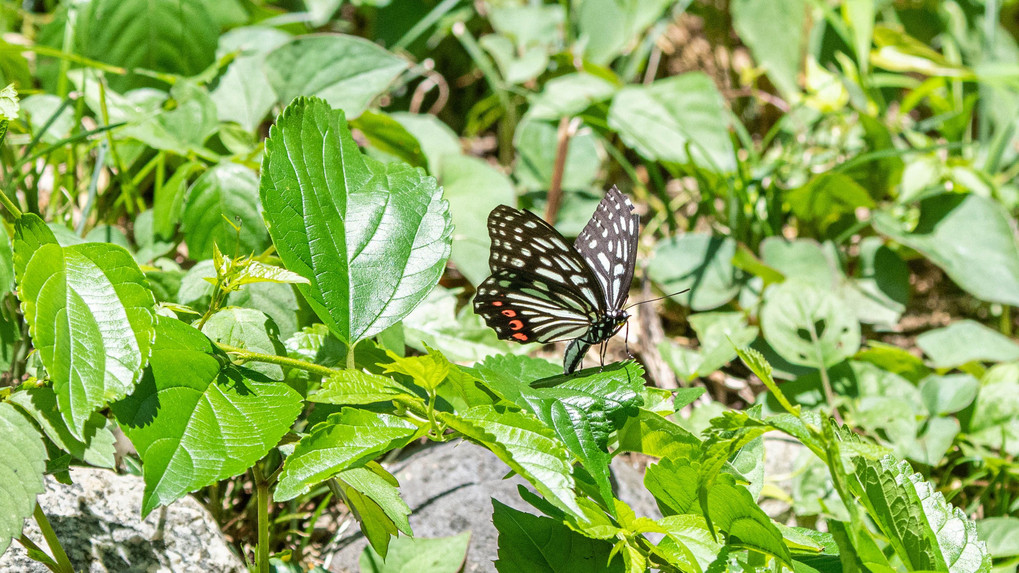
{"type": "Point", "coordinates": [509, 313]}
{"type": "Point", "coordinates": [520, 336]}
{"type": "Point", "coordinates": [497, 303]}
{"type": "Point", "coordinates": [516, 324]}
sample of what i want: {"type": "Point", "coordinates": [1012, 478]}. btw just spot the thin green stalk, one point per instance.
{"type": "Point", "coordinates": [351, 363]}
{"type": "Point", "coordinates": [244, 355]}
{"type": "Point", "coordinates": [264, 499]}
{"type": "Point", "coordinates": [9, 205]}
{"type": "Point", "coordinates": [51, 540]}
{"type": "Point", "coordinates": [1006, 320]}
{"type": "Point", "coordinates": [829, 394]}
{"type": "Point", "coordinates": [430, 19]}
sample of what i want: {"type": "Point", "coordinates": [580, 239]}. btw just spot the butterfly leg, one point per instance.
{"type": "Point", "coordinates": [626, 340]}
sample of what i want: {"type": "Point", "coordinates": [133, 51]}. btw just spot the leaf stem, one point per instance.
{"type": "Point", "coordinates": [244, 355]}
{"type": "Point", "coordinates": [43, 522]}
{"type": "Point", "coordinates": [264, 499]}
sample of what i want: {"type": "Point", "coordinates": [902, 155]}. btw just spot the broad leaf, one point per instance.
{"type": "Point", "coordinates": [681, 119]}
{"type": "Point", "coordinates": [966, 341]}
{"type": "Point", "coordinates": [243, 93]}
{"type": "Point", "coordinates": [609, 28]}
{"type": "Point", "coordinates": [945, 395]}
{"type": "Point", "coordinates": [825, 199]}
{"type": "Point", "coordinates": [90, 313]}
{"type": "Point", "coordinates": [808, 326]}
{"type": "Point", "coordinates": [372, 496]}
{"type": "Point", "coordinates": [427, 555]}
{"type": "Point", "coordinates": [699, 262]}
{"type": "Point", "coordinates": [775, 33]}
{"type": "Point", "coordinates": [372, 238]}
{"type": "Point", "coordinates": [387, 135]}
{"type": "Point", "coordinates": [532, 544]}
{"type": "Point", "coordinates": [346, 71]}
{"type": "Point", "coordinates": [251, 330]}
{"type": "Point", "coordinates": [347, 439]}
{"type": "Point", "coordinates": [41, 405]}
{"type": "Point", "coordinates": [970, 238]}
{"type": "Point", "coordinates": [222, 198]}
{"type": "Point", "coordinates": [525, 445]}
{"type": "Point", "coordinates": [195, 419]}
{"type": "Point", "coordinates": [172, 36]}
{"type": "Point", "coordinates": [22, 463]}
{"type": "Point", "coordinates": [354, 387]}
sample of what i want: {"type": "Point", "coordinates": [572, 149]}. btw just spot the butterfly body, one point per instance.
{"type": "Point", "coordinates": [543, 289]}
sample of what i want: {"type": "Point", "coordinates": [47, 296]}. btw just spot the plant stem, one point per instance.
{"type": "Point", "coordinates": [567, 128]}
{"type": "Point", "coordinates": [248, 355]}
{"type": "Point", "coordinates": [51, 540]}
{"type": "Point", "coordinates": [351, 363]}
{"type": "Point", "coordinates": [264, 499]}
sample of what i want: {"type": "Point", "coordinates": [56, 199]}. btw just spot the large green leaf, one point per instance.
{"type": "Point", "coordinates": [371, 238]}
{"type": "Point", "coordinates": [347, 439]}
{"type": "Point", "coordinates": [346, 71]}
{"type": "Point", "coordinates": [196, 419]}
{"type": "Point", "coordinates": [775, 33]}
{"type": "Point", "coordinates": [90, 313]}
{"type": "Point", "coordinates": [609, 28]}
{"type": "Point", "coordinates": [966, 341]}
{"type": "Point", "coordinates": [22, 463]}
{"type": "Point", "coordinates": [970, 237]}
{"type": "Point", "coordinates": [808, 326]}
{"type": "Point", "coordinates": [533, 544]}
{"type": "Point", "coordinates": [473, 188]}
{"type": "Point", "coordinates": [925, 531]}
{"type": "Point", "coordinates": [699, 262]}
{"type": "Point", "coordinates": [681, 119]}
{"type": "Point", "coordinates": [525, 445]}
{"type": "Point", "coordinates": [243, 93]}
{"type": "Point", "coordinates": [171, 36]}
{"type": "Point", "coordinates": [224, 196]}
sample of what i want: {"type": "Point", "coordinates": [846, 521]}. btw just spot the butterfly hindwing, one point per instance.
{"type": "Point", "coordinates": [523, 308]}
{"type": "Point", "coordinates": [608, 245]}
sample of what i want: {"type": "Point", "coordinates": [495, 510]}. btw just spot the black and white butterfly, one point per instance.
{"type": "Point", "coordinates": [543, 289]}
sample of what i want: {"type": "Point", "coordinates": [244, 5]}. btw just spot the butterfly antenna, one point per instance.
{"type": "Point", "coordinates": [656, 299]}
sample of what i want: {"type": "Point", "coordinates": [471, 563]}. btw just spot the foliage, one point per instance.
{"type": "Point", "coordinates": [235, 238]}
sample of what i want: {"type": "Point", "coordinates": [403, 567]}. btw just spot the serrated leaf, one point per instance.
{"type": "Point", "coordinates": [195, 419]}
{"type": "Point", "coordinates": [354, 387]}
{"type": "Point", "coordinates": [924, 530]}
{"type": "Point", "coordinates": [41, 405]}
{"type": "Point", "coordinates": [428, 371]}
{"type": "Point", "coordinates": [224, 196]}
{"type": "Point", "coordinates": [532, 544]}
{"type": "Point", "coordinates": [371, 494]}
{"type": "Point", "coordinates": [256, 272]}
{"type": "Point", "coordinates": [22, 463]}
{"type": "Point", "coordinates": [757, 364]}
{"type": "Point", "coordinates": [90, 314]}
{"type": "Point", "coordinates": [688, 542]}
{"type": "Point", "coordinates": [372, 238]}
{"type": "Point", "coordinates": [346, 439]}
{"type": "Point", "coordinates": [525, 445]}
{"type": "Point", "coordinates": [346, 71]}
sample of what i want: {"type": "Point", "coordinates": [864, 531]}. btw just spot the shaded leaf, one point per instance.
{"type": "Point", "coordinates": [22, 463]}
{"type": "Point", "coordinates": [222, 197]}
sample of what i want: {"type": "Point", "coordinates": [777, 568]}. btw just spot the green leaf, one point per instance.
{"type": "Point", "coordinates": [461, 335]}
{"type": "Point", "coordinates": [532, 544]}
{"type": "Point", "coordinates": [251, 330]}
{"type": "Point", "coordinates": [22, 463]}
{"type": "Point", "coordinates": [462, 178]}
{"type": "Point", "coordinates": [243, 93]}
{"type": "Point", "coordinates": [170, 36]}
{"type": "Point", "coordinates": [224, 196]}
{"type": "Point", "coordinates": [90, 314]}
{"type": "Point", "coordinates": [720, 334]}
{"type": "Point", "coordinates": [924, 530]}
{"type": "Point", "coordinates": [195, 419]}
{"type": "Point", "coordinates": [346, 71]}
{"type": "Point", "coordinates": [688, 542]}
{"type": "Point", "coordinates": [169, 199]}
{"type": "Point", "coordinates": [879, 291]}
{"type": "Point", "coordinates": [389, 136]}
{"type": "Point", "coordinates": [945, 395]}
{"type": "Point", "coordinates": [372, 496]}
{"type": "Point", "coordinates": [681, 119]}
{"type": "Point", "coordinates": [807, 325]}
{"type": "Point", "coordinates": [1001, 535]}
{"type": "Point", "coordinates": [183, 129]}
{"type": "Point", "coordinates": [41, 405]}
{"type": "Point", "coordinates": [966, 341]}
{"type": "Point", "coordinates": [347, 439]}
{"type": "Point", "coordinates": [426, 555]}
{"type": "Point", "coordinates": [755, 361]}
{"type": "Point", "coordinates": [608, 28]}
{"type": "Point", "coordinates": [774, 31]}
{"type": "Point", "coordinates": [826, 198]}
{"type": "Point", "coordinates": [569, 95]}
{"type": "Point", "coordinates": [354, 387]}
{"type": "Point", "coordinates": [970, 238]}
{"type": "Point", "coordinates": [536, 143]}
{"type": "Point", "coordinates": [372, 238]}
{"type": "Point", "coordinates": [699, 262]}
{"type": "Point", "coordinates": [802, 259]}
{"type": "Point", "coordinates": [525, 445]}
{"type": "Point", "coordinates": [653, 434]}
{"type": "Point", "coordinates": [427, 371]}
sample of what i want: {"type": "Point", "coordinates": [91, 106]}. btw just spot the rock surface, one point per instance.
{"type": "Point", "coordinates": [449, 488]}
{"type": "Point", "coordinates": [98, 521]}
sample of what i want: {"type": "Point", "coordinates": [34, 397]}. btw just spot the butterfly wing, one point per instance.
{"type": "Point", "coordinates": [541, 289]}
{"type": "Point", "coordinates": [608, 245]}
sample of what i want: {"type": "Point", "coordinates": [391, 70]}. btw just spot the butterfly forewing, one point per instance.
{"type": "Point", "coordinates": [608, 245]}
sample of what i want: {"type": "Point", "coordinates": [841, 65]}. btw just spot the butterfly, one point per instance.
{"type": "Point", "coordinates": [543, 289]}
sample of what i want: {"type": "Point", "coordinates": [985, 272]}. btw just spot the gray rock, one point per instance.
{"type": "Point", "coordinates": [449, 488]}
{"type": "Point", "coordinates": [98, 521]}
